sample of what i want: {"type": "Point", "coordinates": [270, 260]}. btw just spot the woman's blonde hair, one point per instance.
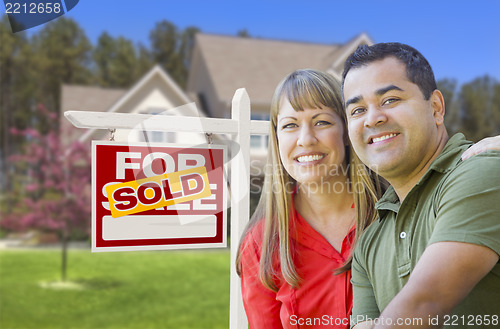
{"type": "Point", "coordinates": [303, 89]}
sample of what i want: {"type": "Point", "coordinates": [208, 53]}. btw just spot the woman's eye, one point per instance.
{"type": "Point", "coordinates": [289, 125]}
{"type": "Point", "coordinates": [322, 123]}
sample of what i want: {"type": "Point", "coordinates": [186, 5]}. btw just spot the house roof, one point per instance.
{"type": "Point", "coordinates": [99, 99]}
{"type": "Point", "coordinates": [86, 98]}
{"type": "Point", "coordinates": [143, 84]}
{"type": "Point", "coordinates": [259, 64]}
{"type": "Point", "coordinates": [155, 83]}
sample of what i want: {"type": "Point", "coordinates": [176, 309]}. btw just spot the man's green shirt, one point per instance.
{"type": "Point", "coordinates": [454, 201]}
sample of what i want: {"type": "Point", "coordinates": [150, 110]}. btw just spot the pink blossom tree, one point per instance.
{"type": "Point", "coordinates": [55, 194]}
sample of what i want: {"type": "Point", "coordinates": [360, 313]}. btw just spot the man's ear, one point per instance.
{"type": "Point", "coordinates": [438, 107]}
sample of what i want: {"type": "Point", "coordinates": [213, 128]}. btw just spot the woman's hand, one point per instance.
{"type": "Point", "coordinates": [490, 143]}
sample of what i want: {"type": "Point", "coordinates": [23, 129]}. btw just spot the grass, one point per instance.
{"type": "Point", "coordinates": [173, 289]}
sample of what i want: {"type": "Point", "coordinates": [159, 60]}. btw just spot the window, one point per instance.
{"type": "Point", "coordinates": [160, 136]}
{"type": "Point", "coordinates": [259, 141]}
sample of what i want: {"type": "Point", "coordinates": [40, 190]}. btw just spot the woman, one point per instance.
{"type": "Point", "coordinates": [304, 225]}
{"type": "Point", "coordinates": [295, 255]}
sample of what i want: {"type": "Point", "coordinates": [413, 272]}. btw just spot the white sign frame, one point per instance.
{"type": "Point", "coordinates": [241, 127]}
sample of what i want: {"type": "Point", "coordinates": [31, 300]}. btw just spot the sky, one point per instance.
{"type": "Point", "coordinates": [461, 39]}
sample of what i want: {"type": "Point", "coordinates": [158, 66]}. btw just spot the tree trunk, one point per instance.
{"type": "Point", "coordinates": [64, 254]}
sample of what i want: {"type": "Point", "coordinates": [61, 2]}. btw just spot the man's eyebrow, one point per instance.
{"type": "Point", "coordinates": [382, 91]}
{"type": "Point", "coordinates": [355, 99]}
{"type": "Point", "coordinates": [378, 92]}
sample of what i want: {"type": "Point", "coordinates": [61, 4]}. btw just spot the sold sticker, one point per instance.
{"type": "Point", "coordinates": [158, 191]}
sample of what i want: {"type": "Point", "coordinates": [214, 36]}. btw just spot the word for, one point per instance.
{"type": "Point", "coordinates": [184, 161]}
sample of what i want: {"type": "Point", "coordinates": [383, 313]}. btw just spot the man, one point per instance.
{"type": "Point", "coordinates": [431, 260]}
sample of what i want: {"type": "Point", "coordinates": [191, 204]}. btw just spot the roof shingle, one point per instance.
{"type": "Point", "coordinates": [258, 64]}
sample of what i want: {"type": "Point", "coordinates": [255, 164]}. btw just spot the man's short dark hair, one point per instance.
{"type": "Point", "coordinates": [418, 69]}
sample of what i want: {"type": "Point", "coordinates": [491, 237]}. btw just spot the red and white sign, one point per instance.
{"type": "Point", "coordinates": [149, 183]}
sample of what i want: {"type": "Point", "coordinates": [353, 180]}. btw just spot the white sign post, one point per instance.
{"type": "Point", "coordinates": [241, 127]}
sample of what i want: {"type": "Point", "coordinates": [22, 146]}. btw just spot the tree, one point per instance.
{"type": "Point", "coordinates": [54, 193]}
{"type": "Point", "coordinates": [164, 49]}
{"type": "Point", "coordinates": [187, 44]}
{"type": "Point", "coordinates": [15, 86]}
{"type": "Point", "coordinates": [476, 108]}
{"type": "Point", "coordinates": [449, 89]}
{"type": "Point", "coordinates": [102, 55]}
{"type": "Point", "coordinates": [243, 33]}
{"type": "Point", "coordinates": [117, 61]}
{"type": "Point", "coordinates": [63, 55]}
{"type": "Point", "coordinates": [172, 49]}
{"type": "Point", "coordinates": [32, 71]}
{"type": "Point", "coordinates": [144, 61]}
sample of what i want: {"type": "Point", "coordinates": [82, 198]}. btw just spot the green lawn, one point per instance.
{"type": "Point", "coordinates": [164, 289]}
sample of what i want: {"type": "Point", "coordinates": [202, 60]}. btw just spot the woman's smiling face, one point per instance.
{"type": "Point", "coordinates": [311, 143]}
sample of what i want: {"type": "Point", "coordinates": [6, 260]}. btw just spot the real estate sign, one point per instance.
{"type": "Point", "coordinates": [148, 196]}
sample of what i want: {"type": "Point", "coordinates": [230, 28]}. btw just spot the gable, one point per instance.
{"type": "Point", "coordinates": [155, 93]}
{"type": "Point", "coordinates": [155, 90]}
{"type": "Point", "coordinates": [337, 67]}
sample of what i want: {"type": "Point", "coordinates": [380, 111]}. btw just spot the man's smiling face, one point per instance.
{"type": "Point", "coordinates": [392, 127]}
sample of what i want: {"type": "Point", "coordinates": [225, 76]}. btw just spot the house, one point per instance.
{"type": "Point", "coordinates": [155, 93]}
{"type": "Point", "coordinates": [219, 66]}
